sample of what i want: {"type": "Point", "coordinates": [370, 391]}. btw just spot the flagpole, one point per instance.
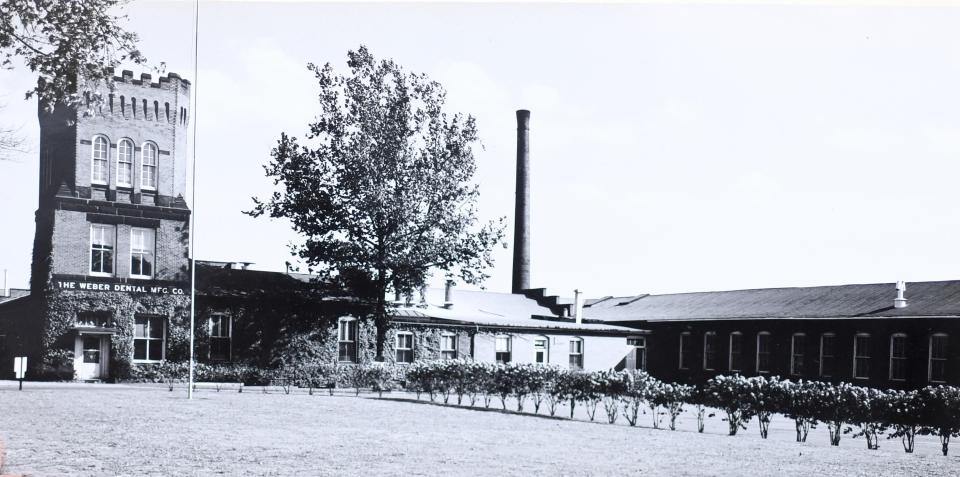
{"type": "Point", "coordinates": [193, 199]}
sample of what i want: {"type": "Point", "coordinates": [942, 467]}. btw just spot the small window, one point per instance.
{"type": "Point", "coordinates": [148, 338]}
{"type": "Point", "coordinates": [710, 351]}
{"type": "Point", "coordinates": [503, 349]}
{"type": "Point", "coordinates": [736, 351]}
{"type": "Point", "coordinates": [142, 245]}
{"type": "Point", "coordinates": [898, 357]}
{"type": "Point", "coordinates": [798, 346]}
{"type": "Point", "coordinates": [125, 163]}
{"type": "Point", "coordinates": [763, 352]}
{"type": "Point", "coordinates": [448, 346]}
{"type": "Point", "coordinates": [861, 356]}
{"type": "Point", "coordinates": [221, 329]}
{"type": "Point", "coordinates": [404, 347]}
{"type": "Point", "coordinates": [637, 359]}
{"type": "Point", "coordinates": [937, 368]}
{"type": "Point", "coordinates": [576, 353]}
{"type": "Point", "coordinates": [828, 355]}
{"type": "Point", "coordinates": [99, 170]}
{"type": "Point", "coordinates": [686, 350]}
{"type": "Point", "coordinates": [347, 339]}
{"type": "Point", "coordinates": [102, 241]}
{"type": "Point", "coordinates": [148, 167]}
{"type": "Point", "coordinates": [541, 350]}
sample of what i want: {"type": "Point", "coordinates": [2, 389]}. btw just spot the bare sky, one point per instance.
{"type": "Point", "coordinates": [674, 147]}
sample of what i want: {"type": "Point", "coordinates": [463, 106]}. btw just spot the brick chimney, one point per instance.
{"type": "Point", "coordinates": [521, 224]}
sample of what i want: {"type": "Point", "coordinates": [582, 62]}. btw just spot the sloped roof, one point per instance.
{"type": "Point", "coordinates": [485, 308]}
{"type": "Point", "coordinates": [940, 298]}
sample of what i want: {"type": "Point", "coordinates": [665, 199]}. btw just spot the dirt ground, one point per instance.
{"type": "Point", "coordinates": [91, 429]}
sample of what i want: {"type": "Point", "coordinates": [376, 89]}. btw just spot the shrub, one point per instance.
{"type": "Point", "coordinates": [727, 393]}
{"type": "Point", "coordinates": [799, 404]}
{"type": "Point", "coordinates": [940, 413]}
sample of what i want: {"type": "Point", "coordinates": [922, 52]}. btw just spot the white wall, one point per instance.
{"type": "Point", "coordinates": [599, 352]}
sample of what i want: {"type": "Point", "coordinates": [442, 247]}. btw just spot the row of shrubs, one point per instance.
{"type": "Point", "coordinates": [842, 408]}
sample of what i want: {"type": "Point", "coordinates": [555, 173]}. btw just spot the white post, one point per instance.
{"type": "Point", "coordinates": [578, 307]}
{"type": "Point", "coordinates": [193, 198]}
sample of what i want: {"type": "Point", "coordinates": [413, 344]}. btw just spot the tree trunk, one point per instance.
{"type": "Point", "coordinates": [380, 314]}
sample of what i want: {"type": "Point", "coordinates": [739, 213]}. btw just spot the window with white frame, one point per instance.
{"type": "Point", "coordinates": [686, 350]}
{"type": "Point", "coordinates": [347, 339]}
{"type": "Point", "coordinates": [221, 330]}
{"type": "Point", "coordinates": [798, 346]}
{"type": "Point", "coordinates": [828, 355]}
{"type": "Point", "coordinates": [448, 346]}
{"type": "Point", "coordinates": [404, 347]}
{"type": "Point", "coordinates": [99, 167]}
{"type": "Point", "coordinates": [148, 166]}
{"type": "Point", "coordinates": [764, 343]}
{"type": "Point", "coordinates": [541, 350]}
{"type": "Point", "coordinates": [898, 357]}
{"type": "Point", "coordinates": [125, 163]}
{"type": "Point", "coordinates": [735, 362]}
{"type": "Point", "coordinates": [576, 353]}
{"type": "Point", "coordinates": [503, 347]}
{"type": "Point", "coordinates": [148, 338]}
{"type": "Point", "coordinates": [861, 356]}
{"type": "Point", "coordinates": [638, 356]}
{"type": "Point", "coordinates": [710, 351]}
{"type": "Point", "coordinates": [937, 367]}
{"type": "Point", "coordinates": [102, 244]}
{"type": "Point", "coordinates": [142, 245]}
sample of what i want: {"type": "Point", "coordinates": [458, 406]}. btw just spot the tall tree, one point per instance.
{"type": "Point", "coordinates": [382, 189]}
{"type": "Point", "coordinates": [63, 40]}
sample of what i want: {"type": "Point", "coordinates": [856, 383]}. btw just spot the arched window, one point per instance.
{"type": "Point", "coordinates": [898, 357]}
{"type": "Point", "coordinates": [710, 351]}
{"type": "Point", "coordinates": [125, 163]}
{"type": "Point", "coordinates": [798, 353]}
{"type": "Point", "coordinates": [937, 366]}
{"type": "Point", "coordinates": [576, 353]}
{"type": "Point", "coordinates": [686, 350]}
{"type": "Point", "coordinates": [541, 350]}
{"type": "Point", "coordinates": [736, 351]}
{"type": "Point", "coordinates": [347, 339]}
{"type": "Point", "coordinates": [99, 167]}
{"type": "Point", "coordinates": [764, 345]}
{"type": "Point", "coordinates": [404, 347]}
{"type": "Point", "coordinates": [148, 167]}
{"type": "Point", "coordinates": [133, 106]}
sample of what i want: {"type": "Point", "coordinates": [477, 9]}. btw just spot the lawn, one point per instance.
{"type": "Point", "coordinates": [92, 429]}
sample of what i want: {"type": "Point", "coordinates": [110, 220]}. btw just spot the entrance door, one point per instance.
{"type": "Point", "coordinates": [91, 365]}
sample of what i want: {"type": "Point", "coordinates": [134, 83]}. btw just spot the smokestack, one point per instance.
{"type": "Point", "coordinates": [900, 301]}
{"type": "Point", "coordinates": [577, 307]}
{"type": "Point", "coordinates": [448, 295]}
{"type": "Point", "coordinates": [521, 217]}
{"type": "Point", "coordinates": [6, 291]}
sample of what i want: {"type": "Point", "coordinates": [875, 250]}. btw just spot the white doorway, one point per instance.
{"type": "Point", "coordinates": [91, 356]}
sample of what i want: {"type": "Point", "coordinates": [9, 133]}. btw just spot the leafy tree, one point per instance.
{"type": "Point", "coordinates": [63, 41]}
{"type": "Point", "coordinates": [382, 189]}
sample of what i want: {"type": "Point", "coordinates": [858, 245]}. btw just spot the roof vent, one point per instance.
{"type": "Point", "coordinates": [900, 301]}
{"type": "Point", "coordinates": [448, 294]}
{"type": "Point", "coordinates": [578, 307]}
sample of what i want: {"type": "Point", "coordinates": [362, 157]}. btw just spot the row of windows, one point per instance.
{"type": "Point", "coordinates": [103, 239]}
{"type": "Point", "coordinates": [100, 166]}
{"type": "Point", "coordinates": [150, 336]}
{"type": "Point", "coordinates": [403, 346]}
{"type": "Point", "coordinates": [936, 354]}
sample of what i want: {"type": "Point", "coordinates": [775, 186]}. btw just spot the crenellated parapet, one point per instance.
{"type": "Point", "coordinates": [166, 100]}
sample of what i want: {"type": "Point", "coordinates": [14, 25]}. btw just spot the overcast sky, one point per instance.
{"type": "Point", "coordinates": [673, 147]}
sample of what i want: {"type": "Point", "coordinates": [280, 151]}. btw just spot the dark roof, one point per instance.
{"type": "Point", "coordinates": [213, 280]}
{"type": "Point", "coordinates": [924, 299]}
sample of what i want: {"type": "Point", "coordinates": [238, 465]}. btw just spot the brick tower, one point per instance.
{"type": "Point", "coordinates": [110, 260]}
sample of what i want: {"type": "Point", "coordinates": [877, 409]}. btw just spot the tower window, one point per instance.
{"type": "Point", "coordinates": [125, 163]}
{"type": "Point", "coordinates": [148, 172]}
{"type": "Point", "coordinates": [102, 240]}
{"type": "Point", "coordinates": [142, 244]}
{"type": "Point", "coordinates": [99, 169]}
